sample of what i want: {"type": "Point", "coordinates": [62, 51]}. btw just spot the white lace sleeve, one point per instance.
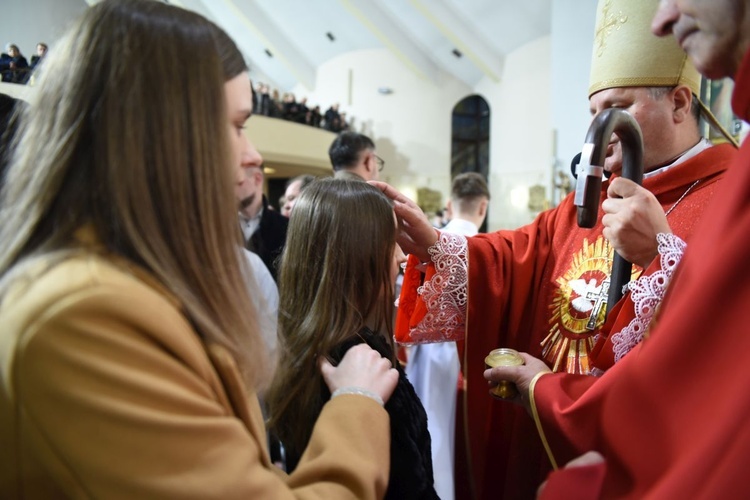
{"type": "Point", "coordinates": [445, 294]}
{"type": "Point", "coordinates": [647, 293]}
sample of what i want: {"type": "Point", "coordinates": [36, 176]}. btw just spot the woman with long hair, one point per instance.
{"type": "Point", "coordinates": [336, 291]}
{"type": "Point", "coordinates": [129, 351]}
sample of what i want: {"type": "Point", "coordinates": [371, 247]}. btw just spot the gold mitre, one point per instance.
{"type": "Point", "coordinates": [627, 54]}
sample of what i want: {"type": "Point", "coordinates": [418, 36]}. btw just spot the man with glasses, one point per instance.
{"type": "Point", "coordinates": [353, 157]}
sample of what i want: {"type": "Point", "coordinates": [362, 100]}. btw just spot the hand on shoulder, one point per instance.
{"type": "Point", "coordinates": [364, 368]}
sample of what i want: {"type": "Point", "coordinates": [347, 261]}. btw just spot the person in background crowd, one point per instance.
{"type": "Point", "coordinates": [41, 51]}
{"type": "Point", "coordinates": [264, 229]}
{"type": "Point", "coordinates": [331, 116]}
{"type": "Point", "coordinates": [294, 188]}
{"type": "Point", "coordinates": [353, 157]}
{"type": "Point", "coordinates": [18, 66]}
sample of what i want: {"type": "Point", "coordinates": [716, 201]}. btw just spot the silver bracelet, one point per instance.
{"type": "Point", "coordinates": [359, 392]}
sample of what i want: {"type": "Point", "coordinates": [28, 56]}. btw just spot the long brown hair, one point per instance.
{"type": "Point", "coordinates": [334, 277]}
{"type": "Point", "coordinates": [129, 136]}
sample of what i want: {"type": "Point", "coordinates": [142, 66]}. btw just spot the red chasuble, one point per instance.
{"type": "Point", "coordinates": [671, 418]}
{"type": "Point", "coordinates": [539, 290]}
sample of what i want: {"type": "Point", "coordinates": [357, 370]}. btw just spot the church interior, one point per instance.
{"type": "Point", "coordinates": [444, 88]}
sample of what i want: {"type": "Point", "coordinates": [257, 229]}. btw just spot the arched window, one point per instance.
{"type": "Point", "coordinates": [470, 144]}
{"type": "Point", "coordinates": [470, 150]}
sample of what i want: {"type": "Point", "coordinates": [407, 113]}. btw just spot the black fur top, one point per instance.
{"type": "Point", "coordinates": [411, 460]}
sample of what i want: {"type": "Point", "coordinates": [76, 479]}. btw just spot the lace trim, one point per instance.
{"type": "Point", "coordinates": [445, 294]}
{"type": "Point", "coordinates": [647, 293]}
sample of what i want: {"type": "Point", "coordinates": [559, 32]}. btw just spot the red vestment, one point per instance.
{"type": "Point", "coordinates": [530, 286]}
{"type": "Point", "coordinates": [671, 417]}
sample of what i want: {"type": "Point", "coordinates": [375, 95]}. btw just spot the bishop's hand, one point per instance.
{"type": "Point", "coordinates": [415, 233]}
{"type": "Point", "coordinates": [521, 375]}
{"type": "Point", "coordinates": [632, 219]}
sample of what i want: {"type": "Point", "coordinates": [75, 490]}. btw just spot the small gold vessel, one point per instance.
{"type": "Point", "coordinates": [505, 389]}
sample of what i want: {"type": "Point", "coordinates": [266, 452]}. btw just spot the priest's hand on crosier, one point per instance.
{"type": "Point", "coordinates": [632, 219]}
{"type": "Point", "coordinates": [415, 233]}
{"type": "Point", "coordinates": [520, 375]}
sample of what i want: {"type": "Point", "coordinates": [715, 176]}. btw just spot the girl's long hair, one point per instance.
{"type": "Point", "coordinates": [334, 278]}
{"type": "Point", "coordinates": [129, 136]}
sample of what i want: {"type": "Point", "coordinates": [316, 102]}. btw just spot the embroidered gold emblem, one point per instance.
{"type": "Point", "coordinates": [609, 23]}
{"type": "Point", "coordinates": [578, 308]}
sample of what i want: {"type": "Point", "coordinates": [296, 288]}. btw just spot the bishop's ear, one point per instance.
{"type": "Point", "coordinates": [682, 99]}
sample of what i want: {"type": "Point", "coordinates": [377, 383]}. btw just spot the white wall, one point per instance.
{"type": "Point", "coordinates": [411, 127]}
{"type": "Point", "coordinates": [573, 23]}
{"type": "Point", "coordinates": [28, 22]}
{"type": "Point", "coordinates": [520, 132]}
{"type": "Point", "coordinates": [539, 112]}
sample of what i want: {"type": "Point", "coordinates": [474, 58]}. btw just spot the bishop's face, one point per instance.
{"type": "Point", "coordinates": [654, 116]}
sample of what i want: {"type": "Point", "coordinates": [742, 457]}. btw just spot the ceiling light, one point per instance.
{"type": "Point", "coordinates": [330, 36]}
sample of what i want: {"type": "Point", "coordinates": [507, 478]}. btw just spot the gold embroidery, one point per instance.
{"type": "Point", "coordinates": [609, 23]}
{"type": "Point", "coordinates": [538, 421]}
{"type": "Point", "coordinates": [571, 306]}
{"type": "Point", "coordinates": [578, 308]}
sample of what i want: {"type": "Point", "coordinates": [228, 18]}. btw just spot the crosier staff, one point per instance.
{"type": "Point", "coordinates": [589, 183]}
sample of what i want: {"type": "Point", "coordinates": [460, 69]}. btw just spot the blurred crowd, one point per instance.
{"type": "Point", "coordinates": [15, 68]}
{"type": "Point", "coordinates": [271, 103]}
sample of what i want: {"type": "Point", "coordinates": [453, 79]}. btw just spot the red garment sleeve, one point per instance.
{"type": "Point", "coordinates": [575, 483]}
{"type": "Point", "coordinates": [566, 407]}
{"type": "Point", "coordinates": [411, 308]}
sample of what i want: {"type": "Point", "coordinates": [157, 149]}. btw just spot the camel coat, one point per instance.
{"type": "Point", "coordinates": [106, 391]}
